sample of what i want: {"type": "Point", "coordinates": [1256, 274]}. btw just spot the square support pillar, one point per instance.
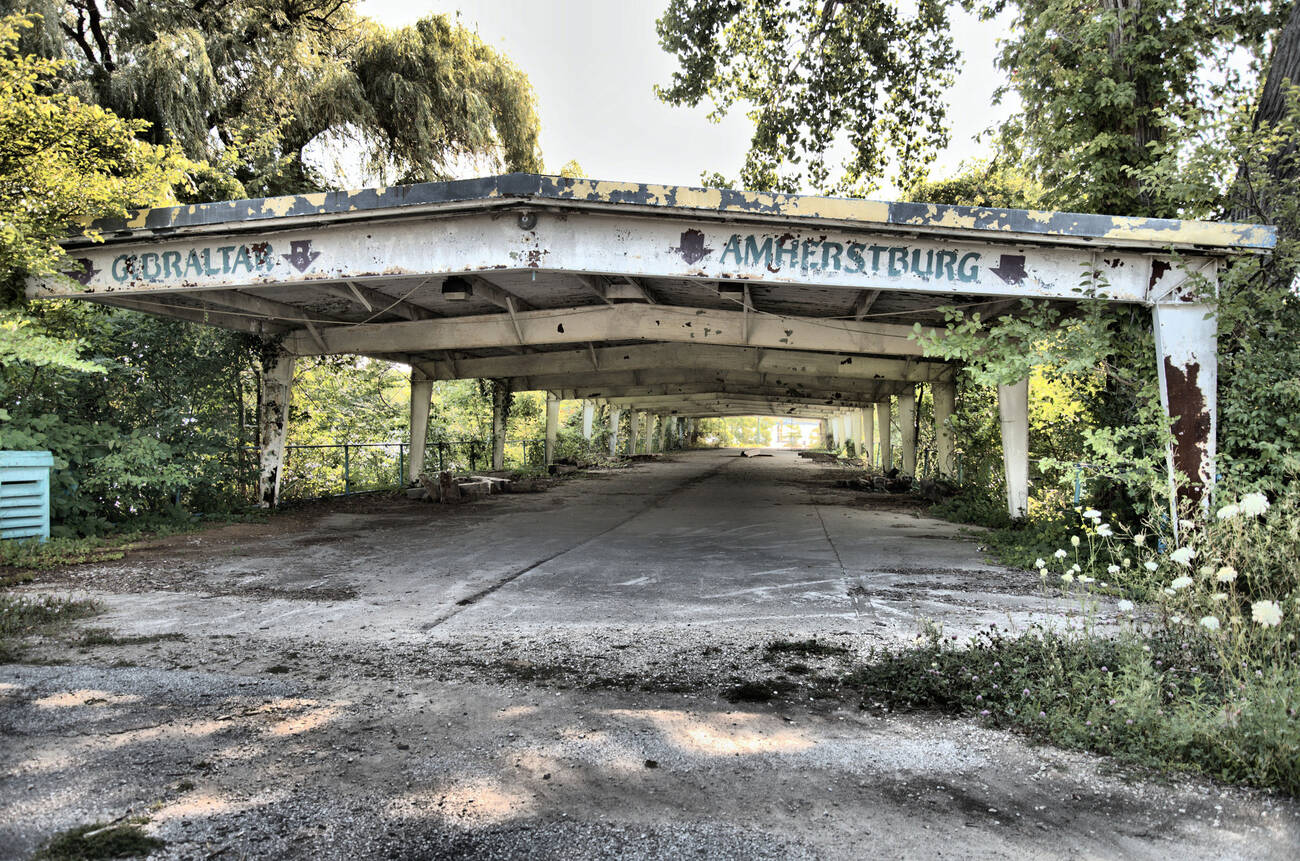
{"type": "Point", "coordinates": [1187, 362]}
{"type": "Point", "coordinates": [883, 409]}
{"type": "Point", "coordinates": [907, 428]}
{"type": "Point", "coordinates": [635, 436]}
{"type": "Point", "coordinates": [945, 401]}
{"type": "Point", "coordinates": [421, 397]}
{"type": "Point", "coordinates": [663, 433]}
{"type": "Point", "coordinates": [1013, 407]}
{"type": "Point", "coordinates": [275, 396]}
{"type": "Point", "coordinates": [552, 425]}
{"type": "Point", "coordinates": [826, 433]}
{"type": "Point", "coordinates": [867, 416]}
{"type": "Point", "coordinates": [588, 413]}
{"type": "Point", "coordinates": [615, 416]}
{"type": "Point", "coordinates": [500, 398]}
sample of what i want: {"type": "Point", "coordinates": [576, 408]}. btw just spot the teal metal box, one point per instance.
{"type": "Point", "coordinates": [25, 494]}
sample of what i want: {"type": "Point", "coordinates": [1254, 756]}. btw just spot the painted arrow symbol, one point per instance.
{"type": "Point", "coordinates": [301, 256]}
{"type": "Point", "coordinates": [84, 271]}
{"type": "Point", "coordinates": [1011, 268]}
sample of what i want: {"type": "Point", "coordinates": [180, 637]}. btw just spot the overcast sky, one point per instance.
{"type": "Point", "coordinates": [594, 63]}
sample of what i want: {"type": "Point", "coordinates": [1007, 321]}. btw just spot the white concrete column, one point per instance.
{"type": "Point", "coordinates": [615, 416]}
{"type": "Point", "coordinates": [855, 431]}
{"type": "Point", "coordinates": [500, 399]}
{"type": "Point", "coordinates": [275, 396]}
{"type": "Point", "coordinates": [907, 428]}
{"type": "Point", "coordinates": [826, 432]}
{"type": "Point", "coordinates": [588, 414]}
{"type": "Point", "coordinates": [663, 433]}
{"type": "Point", "coordinates": [552, 425]}
{"type": "Point", "coordinates": [1187, 361]}
{"type": "Point", "coordinates": [635, 436]}
{"type": "Point", "coordinates": [868, 416]}
{"type": "Point", "coordinates": [945, 401]}
{"type": "Point", "coordinates": [1013, 407]}
{"type": "Point", "coordinates": [421, 397]}
{"type": "Point", "coordinates": [882, 431]}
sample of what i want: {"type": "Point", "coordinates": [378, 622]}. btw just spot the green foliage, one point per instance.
{"type": "Point", "coordinates": [248, 86]}
{"type": "Point", "coordinates": [982, 183]}
{"type": "Point", "coordinates": [813, 74]}
{"type": "Point", "coordinates": [170, 412]}
{"type": "Point", "coordinates": [62, 160]}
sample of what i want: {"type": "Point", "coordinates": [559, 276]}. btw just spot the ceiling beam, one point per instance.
{"type": "Point", "coordinates": [614, 323]}
{"type": "Point", "coordinates": [834, 369]}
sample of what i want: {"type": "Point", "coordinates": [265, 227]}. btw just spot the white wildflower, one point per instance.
{"type": "Point", "coordinates": [1042, 572]}
{"type": "Point", "coordinates": [1075, 568]}
{"type": "Point", "coordinates": [1112, 570]}
{"type": "Point", "coordinates": [1087, 579]}
{"type": "Point", "coordinates": [1253, 504]}
{"type": "Point", "coordinates": [1219, 597]}
{"type": "Point", "coordinates": [1150, 566]}
{"type": "Point", "coordinates": [1039, 563]}
{"type": "Point", "coordinates": [1210, 623]}
{"type": "Point", "coordinates": [1074, 540]}
{"type": "Point", "coordinates": [1092, 514]}
{"type": "Point", "coordinates": [1180, 583]}
{"type": "Point", "coordinates": [1126, 562]}
{"type": "Point", "coordinates": [1186, 524]}
{"type": "Point", "coordinates": [1267, 613]}
{"type": "Point", "coordinates": [1228, 512]}
{"type": "Point", "coordinates": [1125, 605]}
{"type": "Point", "coordinates": [1140, 539]}
{"type": "Point", "coordinates": [1226, 574]}
{"type": "Point", "coordinates": [1183, 555]}
{"type": "Point", "coordinates": [1104, 530]}
{"type": "Point", "coordinates": [1067, 577]}
{"type": "Point", "coordinates": [1060, 554]}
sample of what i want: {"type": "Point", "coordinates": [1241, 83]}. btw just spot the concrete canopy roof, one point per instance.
{"type": "Point", "coordinates": [587, 286]}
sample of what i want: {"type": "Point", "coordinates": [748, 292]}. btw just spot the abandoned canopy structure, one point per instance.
{"type": "Point", "coordinates": [680, 302]}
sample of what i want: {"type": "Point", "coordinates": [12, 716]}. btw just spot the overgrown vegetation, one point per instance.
{"type": "Point", "coordinates": [97, 841]}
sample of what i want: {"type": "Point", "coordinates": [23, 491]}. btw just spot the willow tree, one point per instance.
{"type": "Point", "coordinates": [250, 85]}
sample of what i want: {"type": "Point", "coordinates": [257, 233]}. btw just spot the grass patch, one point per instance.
{"type": "Point", "coordinates": [759, 691]}
{"type": "Point", "coordinates": [24, 615]}
{"type": "Point", "coordinates": [98, 840]}
{"type": "Point", "coordinates": [106, 637]}
{"type": "Point", "coordinates": [781, 649]}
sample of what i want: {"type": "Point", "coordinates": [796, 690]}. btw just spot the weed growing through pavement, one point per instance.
{"type": "Point", "coordinates": [23, 615]}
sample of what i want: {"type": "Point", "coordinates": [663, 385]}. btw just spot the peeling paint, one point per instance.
{"type": "Point", "coordinates": [1191, 426]}
{"type": "Point", "coordinates": [921, 216]}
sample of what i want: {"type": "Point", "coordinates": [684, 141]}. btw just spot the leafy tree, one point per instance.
{"type": "Point", "coordinates": [1109, 87]}
{"type": "Point", "coordinates": [814, 74]}
{"type": "Point", "coordinates": [249, 85]}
